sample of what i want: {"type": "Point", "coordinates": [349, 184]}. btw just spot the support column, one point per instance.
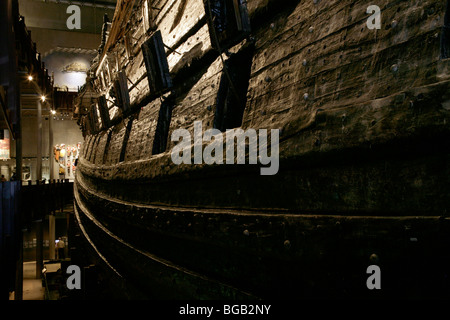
{"type": "Point", "coordinates": [18, 131]}
{"type": "Point", "coordinates": [18, 292]}
{"type": "Point", "coordinates": [51, 235]}
{"type": "Point", "coordinates": [39, 224]}
{"type": "Point", "coordinates": [39, 142]}
{"type": "Point", "coordinates": [50, 145]}
{"type": "Point", "coordinates": [39, 248]}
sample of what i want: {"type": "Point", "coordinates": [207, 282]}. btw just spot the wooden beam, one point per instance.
{"type": "Point", "coordinates": [122, 14]}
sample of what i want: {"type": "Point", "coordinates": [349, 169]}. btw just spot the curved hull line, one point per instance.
{"type": "Point", "coordinates": [244, 213]}
{"type": "Point", "coordinates": [146, 254]}
{"type": "Point", "coordinates": [77, 215]}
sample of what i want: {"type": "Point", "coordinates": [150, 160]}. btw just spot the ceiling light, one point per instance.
{"type": "Point", "coordinates": [30, 78]}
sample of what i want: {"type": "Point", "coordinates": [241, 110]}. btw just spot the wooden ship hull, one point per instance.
{"type": "Point", "coordinates": [363, 173]}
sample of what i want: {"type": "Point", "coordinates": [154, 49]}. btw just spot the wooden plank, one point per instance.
{"type": "Point", "coordinates": [121, 15]}
{"type": "Point", "coordinates": [155, 60]}
{"type": "Point", "coordinates": [193, 12]}
{"type": "Point", "coordinates": [121, 87]}
{"type": "Point", "coordinates": [104, 112]}
{"type": "Point", "coordinates": [347, 76]}
{"type": "Point", "coordinates": [257, 238]}
{"type": "Point", "coordinates": [195, 47]}
{"type": "Point", "coordinates": [228, 22]}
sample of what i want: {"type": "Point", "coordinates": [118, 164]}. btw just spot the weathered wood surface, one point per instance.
{"type": "Point", "coordinates": [366, 88]}
{"type": "Point", "coordinates": [364, 163]}
{"type": "Point", "coordinates": [151, 270]}
{"type": "Point", "coordinates": [266, 254]}
{"type": "Point", "coordinates": [348, 74]}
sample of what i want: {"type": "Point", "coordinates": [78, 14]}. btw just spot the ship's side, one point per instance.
{"type": "Point", "coordinates": [363, 175]}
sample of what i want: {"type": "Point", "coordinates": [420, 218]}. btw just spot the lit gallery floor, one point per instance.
{"type": "Point", "coordinates": [32, 287]}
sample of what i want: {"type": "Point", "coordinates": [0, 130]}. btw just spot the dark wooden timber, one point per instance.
{"type": "Point", "coordinates": [364, 162]}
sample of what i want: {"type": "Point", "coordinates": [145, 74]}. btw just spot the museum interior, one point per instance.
{"type": "Point", "coordinates": [135, 161]}
{"type": "Point", "coordinates": [42, 136]}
